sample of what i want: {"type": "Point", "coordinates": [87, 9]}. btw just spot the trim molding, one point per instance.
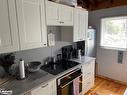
{"type": "Point", "coordinates": [117, 81]}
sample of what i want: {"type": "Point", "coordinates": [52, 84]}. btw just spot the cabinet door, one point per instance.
{"type": "Point", "coordinates": [8, 27]}
{"type": "Point", "coordinates": [76, 25]}
{"type": "Point", "coordinates": [67, 15]}
{"type": "Point", "coordinates": [52, 13]}
{"type": "Point", "coordinates": [53, 87]}
{"type": "Point", "coordinates": [43, 90]}
{"type": "Point", "coordinates": [88, 76]}
{"type": "Point", "coordinates": [83, 24]}
{"type": "Point", "coordinates": [31, 21]}
{"type": "Point", "coordinates": [80, 24]}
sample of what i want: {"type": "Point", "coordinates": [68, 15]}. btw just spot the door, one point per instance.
{"type": "Point", "coordinates": [83, 24]}
{"type": "Point", "coordinates": [67, 15]}
{"type": "Point", "coordinates": [76, 25]}
{"type": "Point", "coordinates": [52, 13]}
{"type": "Point", "coordinates": [43, 90]}
{"type": "Point", "coordinates": [31, 21]}
{"type": "Point", "coordinates": [80, 24]}
{"type": "Point", "coordinates": [8, 27]}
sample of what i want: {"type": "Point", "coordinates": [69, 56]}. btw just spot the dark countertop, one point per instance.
{"type": "Point", "coordinates": [20, 87]}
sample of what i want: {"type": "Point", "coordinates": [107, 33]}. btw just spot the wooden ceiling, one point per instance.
{"type": "Point", "coordinates": [101, 4]}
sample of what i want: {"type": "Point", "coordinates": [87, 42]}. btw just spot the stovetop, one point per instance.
{"type": "Point", "coordinates": [61, 66]}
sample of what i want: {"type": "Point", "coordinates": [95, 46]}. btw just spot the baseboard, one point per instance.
{"type": "Point", "coordinates": [117, 81]}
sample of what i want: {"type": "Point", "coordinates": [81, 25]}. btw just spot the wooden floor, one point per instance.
{"type": "Point", "coordinates": [106, 87]}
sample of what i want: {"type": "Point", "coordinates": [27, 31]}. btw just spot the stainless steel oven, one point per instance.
{"type": "Point", "coordinates": [70, 83]}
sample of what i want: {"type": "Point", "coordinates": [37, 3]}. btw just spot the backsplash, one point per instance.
{"type": "Point", "coordinates": [40, 54]}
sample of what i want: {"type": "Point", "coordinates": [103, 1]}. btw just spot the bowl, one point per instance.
{"type": "Point", "coordinates": [34, 66]}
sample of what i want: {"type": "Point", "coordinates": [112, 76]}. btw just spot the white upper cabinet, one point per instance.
{"type": "Point", "coordinates": [31, 23]}
{"type": "Point", "coordinates": [52, 13]}
{"type": "Point", "coordinates": [80, 24]}
{"type": "Point", "coordinates": [67, 15]}
{"type": "Point", "coordinates": [58, 14]}
{"type": "Point", "coordinates": [8, 27]}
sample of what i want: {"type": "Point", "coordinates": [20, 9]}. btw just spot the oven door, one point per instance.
{"type": "Point", "coordinates": [68, 87]}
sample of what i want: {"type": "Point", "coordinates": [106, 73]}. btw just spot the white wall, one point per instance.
{"type": "Point", "coordinates": [107, 58]}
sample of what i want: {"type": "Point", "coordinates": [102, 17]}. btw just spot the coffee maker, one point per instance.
{"type": "Point", "coordinates": [72, 51]}
{"type": "Point", "coordinates": [67, 52]}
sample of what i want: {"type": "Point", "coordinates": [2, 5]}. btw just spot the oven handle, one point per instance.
{"type": "Point", "coordinates": [70, 73]}
{"type": "Point", "coordinates": [69, 82]}
{"type": "Point", "coordinates": [66, 84]}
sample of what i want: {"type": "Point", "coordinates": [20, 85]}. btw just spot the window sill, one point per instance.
{"type": "Point", "coordinates": [112, 48]}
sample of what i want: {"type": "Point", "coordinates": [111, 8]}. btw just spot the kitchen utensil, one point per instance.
{"type": "Point", "coordinates": [48, 60]}
{"type": "Point", "coordinates": [59, 57]}
{"type": "Point", "coordinates": [13, 70]}
{"type": "Point", "coordinates": [34, 66]}
{"type": "Point", "coordinates": [2, 72]}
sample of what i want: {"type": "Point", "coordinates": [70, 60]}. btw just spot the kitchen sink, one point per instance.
{"type": "Point", "coordinates": [60, 67]}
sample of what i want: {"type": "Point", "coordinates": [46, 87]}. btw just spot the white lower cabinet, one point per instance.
{"type": "Point", "coordinates": [46, 89]}
{"type": "Point", "coordinates": [88, 76]}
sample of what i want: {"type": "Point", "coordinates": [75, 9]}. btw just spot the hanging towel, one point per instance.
{"type": "Point", "coordinates": [125, 92]}
{"type": "Point", "coordinates": [76, 86]}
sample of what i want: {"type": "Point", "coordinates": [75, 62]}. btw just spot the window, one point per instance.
{"type": "Point", "coordinates": [114, 32]}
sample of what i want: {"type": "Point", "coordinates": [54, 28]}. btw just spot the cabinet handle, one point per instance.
{"type": "Point", "coordinates": [0, 42]}
{"type": "Point", "coordinates": [44, 86]}
{"type": "Point", "coordinates": [44, 44]}
{"type": "Point", "coordinates": [61, 22]}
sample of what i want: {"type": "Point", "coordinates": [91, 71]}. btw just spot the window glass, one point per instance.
{"type": "Point", "coordinates": [114, 32]}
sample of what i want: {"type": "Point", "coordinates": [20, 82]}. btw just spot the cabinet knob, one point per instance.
{"type": "Point", "coordinates": [44, 44]}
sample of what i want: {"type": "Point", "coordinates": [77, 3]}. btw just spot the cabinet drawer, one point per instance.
{"type": "Point", "coordinates": [87, 75]}
{"type": "Point", "coordinates": [87, 68]}
{"type": "Point", "coordinates": [87, 84]}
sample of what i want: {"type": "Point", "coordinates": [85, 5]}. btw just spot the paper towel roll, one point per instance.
{"type": "Point", "coordinates": [22, 69]}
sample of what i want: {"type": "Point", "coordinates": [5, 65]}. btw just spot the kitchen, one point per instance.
{"type": "Point", "coordinates": [46, 48]}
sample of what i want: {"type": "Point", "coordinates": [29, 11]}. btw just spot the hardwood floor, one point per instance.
{"type": "Point", "coordinates": [106, 87]}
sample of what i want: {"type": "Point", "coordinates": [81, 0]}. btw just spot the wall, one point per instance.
{"type": "Point", "coordinates": [107, 58]}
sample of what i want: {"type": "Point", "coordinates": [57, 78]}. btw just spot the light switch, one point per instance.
{"type": "Point", "coordinates": [120, 57]}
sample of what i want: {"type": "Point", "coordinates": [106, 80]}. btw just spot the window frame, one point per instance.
{"type": "Point", "coordinates": [102, 31]}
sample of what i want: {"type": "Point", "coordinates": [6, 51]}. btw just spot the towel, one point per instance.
{"type": "Point", "coordinates": [125, 92]}
{"type": "Point", "coordinates": [76, 86]}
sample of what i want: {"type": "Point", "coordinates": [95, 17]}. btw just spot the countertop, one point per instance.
{"type": "Point", "coordinates": [20, 87]}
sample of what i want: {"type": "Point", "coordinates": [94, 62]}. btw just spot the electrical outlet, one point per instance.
{"type": "Point", "coordinates": [120, 57]}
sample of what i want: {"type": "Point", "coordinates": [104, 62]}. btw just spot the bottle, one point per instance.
{"type": "Point", "coordinates": [79, 54]}
{"type": "Point", "coordinates": [21, 69]}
